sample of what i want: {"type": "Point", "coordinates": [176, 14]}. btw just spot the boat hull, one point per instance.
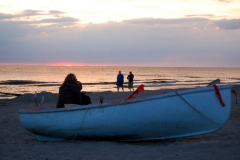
{"type": "Point", "coordinates": [176, 114]}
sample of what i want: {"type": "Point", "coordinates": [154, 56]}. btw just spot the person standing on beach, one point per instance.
{"type": "Point", "coordinates": [120, 81]}
{"type": "Point", "coordinates": [69, 92]}
{"type": "Point", "coordinates": [130, 80]}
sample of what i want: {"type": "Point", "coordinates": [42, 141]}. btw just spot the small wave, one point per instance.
{"type": "Point", "coordinates": [192, 76]}
{"type": "Point", "coordinates": [234, 78]}
{"type": "Point", "coordinates": [9, 94]}
{"type": "Point", "coordinates": [161, 82]}
{"type": "Point", "coordinates": [100, 83]}
{"type": "Point", "coordinates": [21, 82]}
{"type": "Point", "coordinates": [162, 79]}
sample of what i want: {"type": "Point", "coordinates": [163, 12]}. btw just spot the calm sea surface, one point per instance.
{"type": "Point", "coordinates": [28, 79]}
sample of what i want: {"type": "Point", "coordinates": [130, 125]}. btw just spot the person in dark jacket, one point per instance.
{"type": "Point", "coordinates": [130, 81]}
{"type": "Point", "coordinates": [69, 92]}
{"type": "Point", "coordinates": [85, 98]}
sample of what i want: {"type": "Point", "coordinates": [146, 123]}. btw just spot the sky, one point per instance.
{"type": "Point", "coordinates": [151, 33]}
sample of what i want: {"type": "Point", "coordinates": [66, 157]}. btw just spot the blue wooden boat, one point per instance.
{"type": "Point", "coordinates": [177, 114]}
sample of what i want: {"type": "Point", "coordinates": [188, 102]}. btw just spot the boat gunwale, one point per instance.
{"type": "Point", "coordinates": [93, 106]}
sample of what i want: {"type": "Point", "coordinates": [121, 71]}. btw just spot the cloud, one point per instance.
{"type": "Point", "coordinates": [174, 57]}
{"type": "Point", "coordinates": [59, 20]}
{"type": "Point", "coordinates": [205, 16]}
{"type": "Point", "coordinates": [153, 21]}
{"type": "Point", "coordinates": [6, 16]}
{"type": "Point", "coordinates": [201, 15]}
{"type": "Point", "coordinates": [226, 1]}
{"type": "Point", "coordinates": [25, 13]}
{"type": "Point", "coordinates": [30, 12]}
{"type": "Point", "coordinates": [17, 25]}
{"type": "Point", "coordinates": [56, 13]}
{"type": "Point", "coordinates": [228, 24]}
{"type": "Point", "coordinates": [143, 42]}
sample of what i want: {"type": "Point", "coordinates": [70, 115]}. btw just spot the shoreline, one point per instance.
{"type": "Point", "coordinates": [12, 89]}
{"type": "Point", "coordinates": [107, 95]}
{"type": "Point", "coordinates": [17, 143]}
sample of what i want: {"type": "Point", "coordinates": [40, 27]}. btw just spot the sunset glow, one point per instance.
{"type": "Point", "coordinates": [65, 64]}
{"type": "Point", "coordinates": [184, 33]}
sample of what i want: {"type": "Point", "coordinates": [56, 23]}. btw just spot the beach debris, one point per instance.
{"type": "Point", "coordinates": [217, 81]}
{"type": "Point", "coordinates": [38, 105]}
{"type": "Point", "coordinates": [4, 104]}
{"type": "Point", "coordinates": [101, 99]}
{"type": "Point", "coordinates": [164, 81]}
{"type": "Point", "coordinates": [235, 93]}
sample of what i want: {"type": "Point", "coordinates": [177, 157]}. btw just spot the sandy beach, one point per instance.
{"type": "Point", "coordinates": [19, 144]}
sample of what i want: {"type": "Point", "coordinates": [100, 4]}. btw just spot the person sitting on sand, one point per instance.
{"type": "Point", "coordinates": [85, 98]}
{"type": "Point", "coordinates": [69, 92]}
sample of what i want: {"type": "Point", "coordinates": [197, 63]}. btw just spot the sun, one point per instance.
{"type": "Point", "coordinates": [66, 64]}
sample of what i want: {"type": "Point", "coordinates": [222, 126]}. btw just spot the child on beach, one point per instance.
{"type": "Point", "coordinates": [85, 98]}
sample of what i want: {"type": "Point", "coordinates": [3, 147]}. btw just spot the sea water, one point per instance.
{"type": "Point", "coordinates": [16, 80]}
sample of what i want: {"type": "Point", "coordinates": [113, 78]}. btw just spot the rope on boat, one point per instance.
{"type": "Point", "coordinates": [196, 109]}
{"type": "Point", "coordinates": [80, 125]}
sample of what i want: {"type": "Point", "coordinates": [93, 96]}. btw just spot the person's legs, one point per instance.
{"type": "Point", "coordinates": [118, 87]}
{"type": "Point", "coordinates": [131, 85]}
{"type": "Point", "coordinates": [121, 85]}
